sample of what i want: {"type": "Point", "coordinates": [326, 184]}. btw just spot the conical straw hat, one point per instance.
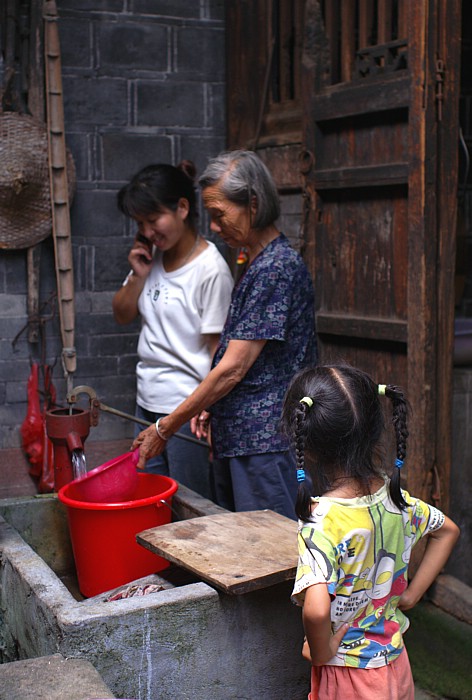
{"type": "Point", "coordinates": [25, 200]}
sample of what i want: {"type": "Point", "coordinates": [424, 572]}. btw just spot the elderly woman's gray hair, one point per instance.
{"type": "Point", "coordinates": [241, 175]}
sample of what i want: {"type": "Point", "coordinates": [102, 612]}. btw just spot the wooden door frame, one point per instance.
{"type": "Point", "coordinates": [448, 50]}
{"type": "Point", "coordinates": [434, 135]}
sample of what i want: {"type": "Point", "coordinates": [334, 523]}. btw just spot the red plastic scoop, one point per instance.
{"type": "Point", "coordinates": [114, 481]}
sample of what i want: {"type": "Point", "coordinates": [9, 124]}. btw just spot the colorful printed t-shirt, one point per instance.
{"type": "Point", "coordinates": [273, 301]}
{"type": "Point", "coordinates": [361, 549]}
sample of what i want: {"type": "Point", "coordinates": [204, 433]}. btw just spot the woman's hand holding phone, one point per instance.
{"type": "Point", "coordinates": [140, 256]}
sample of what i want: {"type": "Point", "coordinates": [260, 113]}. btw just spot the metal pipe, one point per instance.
{"type": "Point", "coordinates": [181, 436]}
{"type": "Point", "coordinates": [97, 404]}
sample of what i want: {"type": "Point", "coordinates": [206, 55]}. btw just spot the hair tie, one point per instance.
{"type": "Point", "coordinates": [399, 463]}
{"type": "Point", "coordinates": [307, 400]}
{"type": "Point", "coordinates": [381, 389]}
{"type": "Point", "coordinates": [300, 475]}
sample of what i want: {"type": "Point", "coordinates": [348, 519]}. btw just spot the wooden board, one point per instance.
{"type": "Point", "coordinates": [235, 552]}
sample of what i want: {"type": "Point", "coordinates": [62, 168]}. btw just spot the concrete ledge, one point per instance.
{"type": "Point", "coordinates": [51, 678]}
{"type": "Point", "coordinates": [453, 596]}
{"type": "Point", "coordinates": [186, 641]}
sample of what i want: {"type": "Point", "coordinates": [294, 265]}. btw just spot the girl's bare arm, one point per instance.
{"type": "Point", "coordinates": [438, 548]}
{"type": "Point", "coordinates": [322, 642]}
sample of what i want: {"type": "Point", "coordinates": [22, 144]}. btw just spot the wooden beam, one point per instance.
{"type": "Point", "coordinates": [402, 19]}
{"type": "Point", "coordinates": [366, 20]}
{"type": "Point", "coordinates": [362, 176]}
{"type": "Point", "coordinates": [422, 229]}
{"type": "Point", "coordinates": [348, 35]}
{"type": "Point", "coordinates": [449, 51]}
{"type": "Point", "coordinates": [332, 21]}
{"type": "Point", "coordinates": [382, 95]}
{"type": "Point", "coordinates": [384, 21]}
{"type": "Point", "coordinates": [362, 327]}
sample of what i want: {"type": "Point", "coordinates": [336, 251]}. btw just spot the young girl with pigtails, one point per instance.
{"type": "Point", "coordinates": [356, 535]}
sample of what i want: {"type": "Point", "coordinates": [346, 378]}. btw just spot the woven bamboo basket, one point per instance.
{"type": "Point", "coordinates": [25, 198]}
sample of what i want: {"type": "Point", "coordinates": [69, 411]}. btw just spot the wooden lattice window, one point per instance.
{"type": "Point", "coordinates": [281, 121]}
{"type": "Point", "coordinates": [366, 38]}
{"type": "Point", "coordinates": [264, 40]}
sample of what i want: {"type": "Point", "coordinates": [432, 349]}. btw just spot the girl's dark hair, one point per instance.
{"type": "Point", "coordinates": [158, 187]}
{"type": "Point", "coordinates": [340, 433]}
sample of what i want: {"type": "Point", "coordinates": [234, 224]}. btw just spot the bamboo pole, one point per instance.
{"type": "Point", "coordinates": [36, 105]}
{"type": "Point", "coordinates": [59, 189]}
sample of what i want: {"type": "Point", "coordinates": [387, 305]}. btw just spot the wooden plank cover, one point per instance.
{"type": "Point", "coordinates": [235, 552]}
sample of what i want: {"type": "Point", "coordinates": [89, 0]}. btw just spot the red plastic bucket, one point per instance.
{"type": "Point", "coordinates": [103, 535]}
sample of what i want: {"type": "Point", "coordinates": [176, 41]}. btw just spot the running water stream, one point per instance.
{"type": "Point", "coordinates": [79, 464]}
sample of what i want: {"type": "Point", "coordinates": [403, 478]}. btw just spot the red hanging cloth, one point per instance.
{"type": "Point", "coordinates": [36, 444]}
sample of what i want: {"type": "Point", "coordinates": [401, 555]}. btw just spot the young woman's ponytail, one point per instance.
{"type": "Point", "coordinates": [399, 420]}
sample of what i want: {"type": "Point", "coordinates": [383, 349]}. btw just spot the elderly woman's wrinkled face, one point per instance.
{"type": "Point", "coordinates": [232, 222]}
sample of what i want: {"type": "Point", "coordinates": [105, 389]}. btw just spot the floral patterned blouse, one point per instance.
{"type": "Point", "coordinates": [273, 301]}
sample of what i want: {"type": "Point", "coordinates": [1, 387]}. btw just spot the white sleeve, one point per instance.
{"type": "Point", "coordinates": [215, 297]}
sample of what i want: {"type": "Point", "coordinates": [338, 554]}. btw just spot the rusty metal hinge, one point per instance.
{"type": "Point", "coordinates": [440, 73]}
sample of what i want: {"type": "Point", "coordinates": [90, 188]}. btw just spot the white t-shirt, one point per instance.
{"type": "Point", "coordinates": [176, 309]}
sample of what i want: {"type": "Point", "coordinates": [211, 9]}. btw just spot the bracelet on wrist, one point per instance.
{"type": "Point", "coordinates": [159, 432]}
{"type": "Point", "coordinates": [128, 277]}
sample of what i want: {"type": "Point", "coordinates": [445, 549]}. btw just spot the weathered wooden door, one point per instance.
{"type": "Point", "coordinates": [264, 47]}
{"type": "Point", "coordinates": [380, 115]}
{"type": "Point", "coordinates": [362, 141]}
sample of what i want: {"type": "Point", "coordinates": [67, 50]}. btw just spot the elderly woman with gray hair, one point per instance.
{"type": "Point", "coordinates": [268, 336]}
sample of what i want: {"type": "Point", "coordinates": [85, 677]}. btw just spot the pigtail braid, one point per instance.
{"type": "Point", "coordinates": [303, 504]}
{"type": "Point", "coordinates": [399, 420]}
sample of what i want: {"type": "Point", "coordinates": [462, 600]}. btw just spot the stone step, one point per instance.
{"type": "Point", "coordinates": [52, 678]}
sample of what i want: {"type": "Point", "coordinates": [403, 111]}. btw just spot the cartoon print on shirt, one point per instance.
{"type": "Point", "coordinates": [409, 531]}
{"type": "Point", "coordinates": [368, 572]}
{"type": "Point", "coordinates": [354, 546]}
{"type": "Point", "coordinates": [414, 528]}
{"type": "Point", "coordinates": [322, 561]}
{"type": "Point", "coordinates": [373, 627]}
{"type": "Point", "coordinates": [379, 580]}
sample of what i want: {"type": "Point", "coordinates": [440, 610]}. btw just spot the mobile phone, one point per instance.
{"type": "Point", "coordinates": [142, 239]}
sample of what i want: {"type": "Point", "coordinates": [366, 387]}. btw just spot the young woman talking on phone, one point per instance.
{"type": "Point", "coordinates": [180, 286]}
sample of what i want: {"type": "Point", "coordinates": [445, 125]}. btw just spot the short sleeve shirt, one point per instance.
{"type": "Point", "coordinates": [361, 549]}
{"type": "Point", "coordinates": [273, 301]}
{"type": "Point", "coordinates": [177, 309]}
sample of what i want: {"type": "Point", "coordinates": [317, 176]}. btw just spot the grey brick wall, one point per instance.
{"type": "Point", "coordinates": [143, 81]}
